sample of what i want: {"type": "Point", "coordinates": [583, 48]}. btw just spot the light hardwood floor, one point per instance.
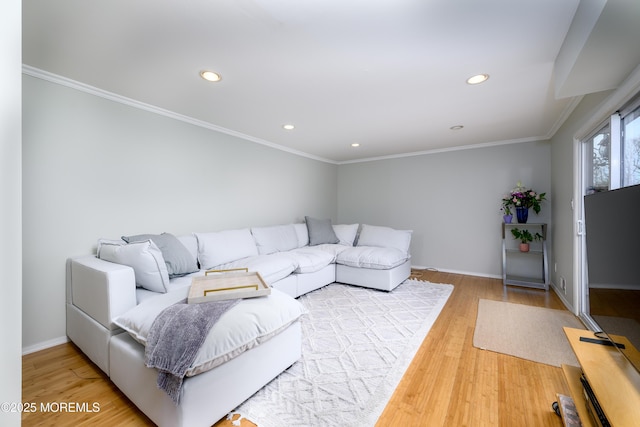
{"type": "Point", "coordinates": [449, 382]}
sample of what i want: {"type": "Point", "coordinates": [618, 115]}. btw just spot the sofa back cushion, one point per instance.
{"type": "Point", "coordinates": [385, 237]}
{"type": "Point", "coordinates": [346, 233]}
{"type": "Point", "coordinates": [303, 234]}
{"type": "Point", "coordinates": [224, 246]}
{"type": "Point", "coordinates": [278, 238]}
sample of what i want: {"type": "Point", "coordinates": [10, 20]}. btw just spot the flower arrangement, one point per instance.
{"type": "Point", "coordinates": [522, 197]}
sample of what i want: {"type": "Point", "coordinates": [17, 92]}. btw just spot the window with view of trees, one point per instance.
{"type": "Point", "coordinates": [612, 154]}
{"type": "Point", "coordinates": [599, 153]}
{"type": "Point", "coordinates": [631, 148]}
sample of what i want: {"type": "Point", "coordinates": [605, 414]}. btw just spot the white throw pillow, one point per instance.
{"type": "Point", "coordinates": [279, 238]}
{"type": "Point", "coordinates": [346, 233]}
{"type": "Point", "coordinates": [224, 246]}
{"type": "Point", "coordinates": [385, 237]}
{"type": "Point", "coordinates": [144, 257]}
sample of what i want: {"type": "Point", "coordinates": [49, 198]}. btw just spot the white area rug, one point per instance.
{"type": "Point", "coordinates": [357, 344]}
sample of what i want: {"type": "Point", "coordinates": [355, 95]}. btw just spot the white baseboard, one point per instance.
{"type": "Point", "coordinates": [44, 345]}
{"type": "Point", "coordinates": [552, 286]}
{"type": "Point", "coordinates": [563, 298]}
{"type": "Point", "coordinates": [466, 273]}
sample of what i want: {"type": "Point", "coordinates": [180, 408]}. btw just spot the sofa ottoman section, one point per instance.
{"type": "Point", "coordinates": [373, 267]}
{"type": "Point", "coordinates": [384, 280]}
{"type": "Point", "coordinates": [308, 282]}
{"type": "Point", "coordinates": [371, 257]}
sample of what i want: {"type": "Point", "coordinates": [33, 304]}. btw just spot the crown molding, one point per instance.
{"type": "Point", "coordinates": [73, 84]}
{"type": "Point", "coordinates": [447, 150]}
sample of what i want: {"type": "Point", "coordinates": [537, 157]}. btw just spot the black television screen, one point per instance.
{"type": "Point", "coordinates": [612, 226]}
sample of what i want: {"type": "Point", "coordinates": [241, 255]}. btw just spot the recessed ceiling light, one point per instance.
{"type": "Point", "coordinates": [456, 127]}
{"type": "Point", "coordinates": [479, 78]}
{"type": "Point", "coordinates": [355, 144]}
{"type": "Point", "coordinates": [210, 76]}
{"type": "Point", "coordinates": [288, 127]}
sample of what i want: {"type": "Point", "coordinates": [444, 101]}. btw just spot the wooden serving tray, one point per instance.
{"type": "Point", "coordinates": [218, 285]}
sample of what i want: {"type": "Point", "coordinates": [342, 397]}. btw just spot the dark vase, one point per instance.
{"type": "Point", "coordinates": [522, 214]}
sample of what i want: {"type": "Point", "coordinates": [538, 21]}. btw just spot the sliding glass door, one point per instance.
{"type": "Point", "coordinates": [610, 159]}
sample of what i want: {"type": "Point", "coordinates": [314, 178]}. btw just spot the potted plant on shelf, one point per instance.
{"type": "Point", "coordinates": [507, 214]}
{"type": "Point", "coordinates": [522, 199]}
{"type": "Point", "coordinates": [525, 238]}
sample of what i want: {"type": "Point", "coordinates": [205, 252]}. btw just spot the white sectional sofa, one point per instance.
{"type": "Point", "coordinates": [128, 282]}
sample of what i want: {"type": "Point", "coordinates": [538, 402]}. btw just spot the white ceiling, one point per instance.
{"type": "Point", "coordinates": [387, 74]}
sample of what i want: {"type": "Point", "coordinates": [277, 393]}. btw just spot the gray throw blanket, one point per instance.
{"type": "Point", "coordinates": [175, 337]}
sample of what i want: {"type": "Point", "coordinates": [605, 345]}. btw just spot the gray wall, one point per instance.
{"type": "Point", "coordinates": [451, 200]}
{"type": "Point", "coordinates": [96, 168]}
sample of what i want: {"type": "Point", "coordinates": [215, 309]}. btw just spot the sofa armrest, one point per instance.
{"type": "Point", "coordinates": [101, 289]}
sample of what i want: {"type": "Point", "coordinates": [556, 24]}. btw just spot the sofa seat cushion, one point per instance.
{"type": "Point", "coordinates": [271, 267]}
{"type": "Point", "coordinates": [246, 325]}
{"type": "Point", "coordinates": [372, 257]}
{"type": "Point", "coordinates": [310, 259]}
{"type": "Point", "coordinates": [331, 248]}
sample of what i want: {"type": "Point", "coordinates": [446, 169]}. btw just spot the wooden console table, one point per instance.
{"type": "Point", "coordinates": [615, 382]}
